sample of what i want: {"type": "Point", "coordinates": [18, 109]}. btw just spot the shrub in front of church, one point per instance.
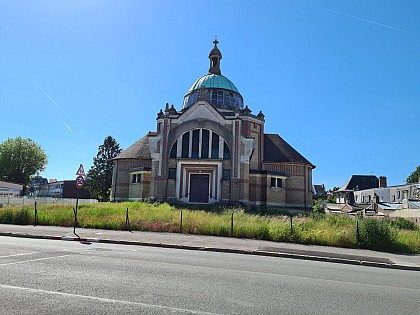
{"type": "Point", "coordinates": [377, 234]}
{"type": "Point", "coordinates": [328, 230]}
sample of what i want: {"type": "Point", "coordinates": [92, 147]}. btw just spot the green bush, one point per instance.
{"type": "Point", "coordinates": [318, 206]}
{"type": "Point", "coordinates": [21, 216]}
{"type": "Point", "coordinates": [6, 217]}
{"type": "Point", "coordinates": [404, 224]}
{"type": "Point", "coordinates": [377, 235]}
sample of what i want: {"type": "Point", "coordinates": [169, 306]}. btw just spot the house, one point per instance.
{"type": "Point", "coordinates": [213, 150]}
{"type": "Point", "coordinates": [371, 195]}
{"type": "Point", "coordinates": [319, 192]}
{"type": "Point", "coordinates": [59, 189]}
{"type": "Point", "coordinates": [8, 189]}
{"type": "Point", "coordinates": [345, 194]}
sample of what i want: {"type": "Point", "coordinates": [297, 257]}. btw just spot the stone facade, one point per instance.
{"type": "Point", "coordinates": [213, 150]}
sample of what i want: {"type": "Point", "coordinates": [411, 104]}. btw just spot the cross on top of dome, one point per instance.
{"type": "Point", "coordinates": [215, 56]}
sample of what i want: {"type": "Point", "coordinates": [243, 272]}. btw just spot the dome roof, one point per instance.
{"type": "Point", "coordinates": [214, 87]}
{"type": "Point", "coordinates": [214, 81]}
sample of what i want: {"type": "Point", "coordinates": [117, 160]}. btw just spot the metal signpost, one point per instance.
{"type": "Point", "coordinates": [80, 183]}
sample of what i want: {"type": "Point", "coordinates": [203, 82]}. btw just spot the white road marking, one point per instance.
{"type": "Point", "coordinates": [94, 298]}
{"type": "Point", "coordinates": [30, 260]}
{"type": "Point", "coordinates": [19, 255]}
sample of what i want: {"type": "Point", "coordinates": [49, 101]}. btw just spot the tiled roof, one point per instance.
{"type": "Point", "coordinates": [138, 150]}
{"type": "Point", "coordinates": [360, 182]}
{"type": "Point", "coordinates": [278, 150]}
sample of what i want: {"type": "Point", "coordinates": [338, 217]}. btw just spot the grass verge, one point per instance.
{"type": "Point", "coordinates": [331, 230]}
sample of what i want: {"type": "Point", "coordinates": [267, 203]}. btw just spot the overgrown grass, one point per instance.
{"type": "Point", "coordinates": [330, 230]}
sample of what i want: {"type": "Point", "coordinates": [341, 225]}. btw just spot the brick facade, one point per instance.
{"type": "Point", "coordinates": [216, 139]}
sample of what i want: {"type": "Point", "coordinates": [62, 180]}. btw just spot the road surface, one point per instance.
{"type": "Point", "coordinates": [59, 277]}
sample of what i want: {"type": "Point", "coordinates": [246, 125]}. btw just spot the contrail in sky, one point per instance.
{"type": "Point", "coordinates": [369, 21]}
{"type": "Point", "coordinates": [58, 106]}
{"type": "Point", "coordinates": [67, 126]}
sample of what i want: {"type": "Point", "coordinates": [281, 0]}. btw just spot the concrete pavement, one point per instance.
{"type": "Point", "coordinates": [219, 244]}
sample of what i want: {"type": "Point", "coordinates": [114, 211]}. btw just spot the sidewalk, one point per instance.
{"type": "Point", "coordinates": [219, 244]}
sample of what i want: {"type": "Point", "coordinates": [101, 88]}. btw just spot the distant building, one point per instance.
{"type": "Point", "coordinates": [8, 189]}
{"type": "Point", "coordinates": [345, 194]}
{"type": "Point", "coordinates": [371, 195]}
{"type": "Point", "coordinates": [213, 150]}
{"type": "Point", "coordinates": [59, 189]}
{"type": "Point", "coordinates": [319, 192]}
{"type": "Point", "coordinates": [393, 194]}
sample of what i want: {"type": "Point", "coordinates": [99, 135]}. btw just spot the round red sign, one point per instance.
{"type": "Point", "coordinates": [80, 182]}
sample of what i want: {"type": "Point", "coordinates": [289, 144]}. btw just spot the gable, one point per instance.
{"type": "Point", "coordinates": [201, 110]}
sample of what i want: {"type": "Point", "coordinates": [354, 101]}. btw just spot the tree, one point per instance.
{"type": "Point", "coordinates": [99, 176]}
{"type": "Point", "coordinates": [20, 160]}
{"type": "Point", "coordinates": [414, 177]}
{"type": "Point", "coordinates": [318, 206]}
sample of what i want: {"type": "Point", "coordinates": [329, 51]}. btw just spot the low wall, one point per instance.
{"type": "Point", "coordinates": [405, 213]}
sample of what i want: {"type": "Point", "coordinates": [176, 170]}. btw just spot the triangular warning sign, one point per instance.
{"type": "Point", "coordinates": [81, 171]}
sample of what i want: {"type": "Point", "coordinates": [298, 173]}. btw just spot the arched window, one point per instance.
{"type": "Point", "coordinates": [226, 152]}
{"type": "Point", "coordinates": [173, 151]}
{"type": "Point", "coordinates": [200, 144]}
{"type": "Point", "coordinates": [185, 145]}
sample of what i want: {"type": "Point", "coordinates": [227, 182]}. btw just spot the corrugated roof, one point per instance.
{"type": "Point", "coordinates": [138, 150]}
{"type": "Point", "coordinates": [278, 150]}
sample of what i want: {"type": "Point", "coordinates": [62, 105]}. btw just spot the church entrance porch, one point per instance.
{"type": "Point", "coordinates": [198, 181]}
{"type": "Point", "coordinates": [199, 188]}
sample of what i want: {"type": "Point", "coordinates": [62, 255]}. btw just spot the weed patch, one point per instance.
{"type": "Point", "coordinates": [318, 229]}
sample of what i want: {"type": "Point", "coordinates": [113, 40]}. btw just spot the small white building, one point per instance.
{"type": "Point", "coordinates": [8, 189]}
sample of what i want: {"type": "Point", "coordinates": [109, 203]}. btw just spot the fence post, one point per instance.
{"type": "Point", "coordinates": [180, 225]}
{"type": "Point", "coordinates": [127, 221]}
{"type": "Point", "coordinates": [75, 221]}
{"type": "Point", "coordinates": [36, 216]}
{"type": "Point", "coordinates": [358, 233]}
{"type": "Point", "coordinates": [291, 226]}
{"type": "Point", "coordinates": [231, 225]}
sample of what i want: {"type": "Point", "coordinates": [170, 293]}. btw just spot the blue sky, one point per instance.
{"type": "Point", "coordinates": [338, 80]}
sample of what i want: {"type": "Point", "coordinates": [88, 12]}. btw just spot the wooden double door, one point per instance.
{"type": "Point", "coordinates": [199, 188]}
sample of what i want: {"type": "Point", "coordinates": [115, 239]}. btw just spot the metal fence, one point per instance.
{"type": "Point", "coordinates": [43, 201]}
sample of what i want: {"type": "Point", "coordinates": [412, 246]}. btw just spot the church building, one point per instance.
{"type": "Point", "coordinates": [213, 150]}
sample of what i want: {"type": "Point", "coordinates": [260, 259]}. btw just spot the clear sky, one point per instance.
{"type": "Point", "coordinates": [338, 80]}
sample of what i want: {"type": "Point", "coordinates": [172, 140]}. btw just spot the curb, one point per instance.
{"type": "Point", "coordinates": [52, 237]}
{"type": "Point", "coordinates": [221, 250]}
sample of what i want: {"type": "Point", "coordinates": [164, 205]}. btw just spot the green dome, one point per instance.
{"type": "Point", "coordinates": [214, 81]}
{"type": "Point", "coordinates": [214, 87]}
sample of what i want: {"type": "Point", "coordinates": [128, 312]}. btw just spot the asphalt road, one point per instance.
{"type": "Point", "coordinates": [58, 277]}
